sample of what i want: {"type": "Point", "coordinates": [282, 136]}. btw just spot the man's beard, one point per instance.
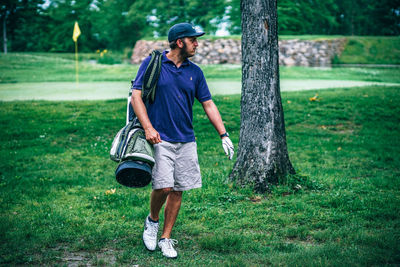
{"type": "Point", "coordinates": [183, 53]}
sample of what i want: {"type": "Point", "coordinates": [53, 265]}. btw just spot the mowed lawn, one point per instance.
{"type": "Point", "coordinates": [52, 67]}
{"type": "Point", "coordinates": [51, 76]}
{"type": "Point", "coordinates": [343, 207]}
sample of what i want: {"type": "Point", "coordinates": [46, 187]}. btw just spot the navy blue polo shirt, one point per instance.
{"type": "Point", "coordinates": [171, 112]}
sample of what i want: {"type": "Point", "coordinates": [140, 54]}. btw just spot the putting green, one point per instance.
{"type": "Point", "coordinates": [113, 90]}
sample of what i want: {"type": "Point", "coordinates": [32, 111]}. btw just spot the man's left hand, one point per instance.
{"type": "Point", "coordinates": [228, 147]}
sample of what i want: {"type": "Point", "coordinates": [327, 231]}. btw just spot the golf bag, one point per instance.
{"type": "Point", "coordinates": [130, 148]}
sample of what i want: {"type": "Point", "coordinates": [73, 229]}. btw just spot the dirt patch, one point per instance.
{"type": "Point", "coordinates": [104, 257]}
{"type": "Point", "coordinates": [342, 128]}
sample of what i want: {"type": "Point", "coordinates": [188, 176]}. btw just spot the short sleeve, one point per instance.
{"type": "Point", "coordinates": [138, 82]}
{"type": "Point", "coordinates": [202, 92]}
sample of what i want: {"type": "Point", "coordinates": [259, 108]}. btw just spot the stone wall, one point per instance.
{"type": "Point", "coordinates": [291, 52]}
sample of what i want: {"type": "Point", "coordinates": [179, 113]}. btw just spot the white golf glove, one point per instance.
{"type": "Point", "coordinates": [228, 147]}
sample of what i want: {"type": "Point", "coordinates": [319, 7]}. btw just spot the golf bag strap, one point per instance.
{"type": "Point", "coordinates": [151, 76]}
{"type": "Point", "coordinates": [150, 80]}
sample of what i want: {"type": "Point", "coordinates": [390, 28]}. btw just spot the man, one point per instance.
{"type": "Point", "coordinates": [168, 125]}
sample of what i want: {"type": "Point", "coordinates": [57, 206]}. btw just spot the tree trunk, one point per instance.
{"type": "Point", "coordinates": [262, 154]}
{"type": "Point", "coordinates": [5, 34]}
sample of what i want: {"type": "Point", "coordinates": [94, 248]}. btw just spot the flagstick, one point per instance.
{"type": "Point", "coordinates": [76, 63]}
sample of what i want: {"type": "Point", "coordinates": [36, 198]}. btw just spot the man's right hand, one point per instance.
{"type": "Point", "coordinates": [228, 147]}
{"type": "Point", "coordinates": [152, 135]}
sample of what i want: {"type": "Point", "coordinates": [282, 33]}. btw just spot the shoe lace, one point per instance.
{"type": "Point", "coordinates": [171, 242]}
{"type": "Point", "coordinates": [154, 228]}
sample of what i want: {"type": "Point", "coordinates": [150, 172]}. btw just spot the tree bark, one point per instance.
{"type": "Point", "coordinates": [5, 33]}
{"type": "Point", "coordinates": [262, 154]}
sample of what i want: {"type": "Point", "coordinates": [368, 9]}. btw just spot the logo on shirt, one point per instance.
{"type": "Point", "coordinates": [191, 78]}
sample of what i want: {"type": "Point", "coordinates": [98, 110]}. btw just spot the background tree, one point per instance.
{"type": "Point", "coordinates": [262, 155]}
{"type": "Point", "coordinates": [120, 23]}
{"type": "Point", "coordinates": [19, 20]}
{"type": "Point", "coordinates": [234, 17]}
{"type": "Point", "coordinates": [5, 10]}
{"type": "Point", "coordinates": [366, 17]}
{"type": "Point", "coordinates": [207, 14]}
{"type": "Point", "coordinates": [306, 16]}
{"type": "Point", "coordinates": [345, 17]}
{"type": "Point", "coordinates": [61, 16]}
{"type": "Point", "coordinates": [39, 25]}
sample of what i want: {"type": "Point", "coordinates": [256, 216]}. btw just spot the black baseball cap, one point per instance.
{"type": "Point", "coordinates": [181, 30]}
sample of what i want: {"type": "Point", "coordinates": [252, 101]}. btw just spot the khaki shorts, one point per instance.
{"type": "Point", "coordinates": [177, 166]}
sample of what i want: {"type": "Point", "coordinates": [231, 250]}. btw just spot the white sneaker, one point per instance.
{"type": "Point", "coordinates": [167, 247]}
{"type": "Point", "coordinates": [150, 234]}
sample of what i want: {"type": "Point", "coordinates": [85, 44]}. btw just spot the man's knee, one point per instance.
{"type": "Point", "coordinates": [176, 193]}
{"type": "Point", "coordinates": [169, 192]}
{"type": "Point", "coordinates": [165, 191]}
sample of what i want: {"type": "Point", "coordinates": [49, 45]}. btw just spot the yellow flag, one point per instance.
{"type": "Point", "coordinates": [76, 33]}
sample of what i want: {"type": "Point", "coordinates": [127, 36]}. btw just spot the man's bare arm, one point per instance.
{"type": "Point", "coordinates": [140, 110]}
{"type": "Point", "coordinates": [215, 118]}
{"type": "Point", "coordinates": [213, 115]}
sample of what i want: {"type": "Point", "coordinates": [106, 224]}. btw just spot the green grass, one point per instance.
{"type": "Point", "coordinates": [371, 50]}
{"type": "Point", "coordinates": [310, 37]}
{"type": "Point", "coordinates": [55, 173]}
{"type": "Point", "coordinates": [357, 74]}
{"type": "Point", "coordinates": [81, 56]}
{"type": "Point", "coordinates": [48, 67]}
